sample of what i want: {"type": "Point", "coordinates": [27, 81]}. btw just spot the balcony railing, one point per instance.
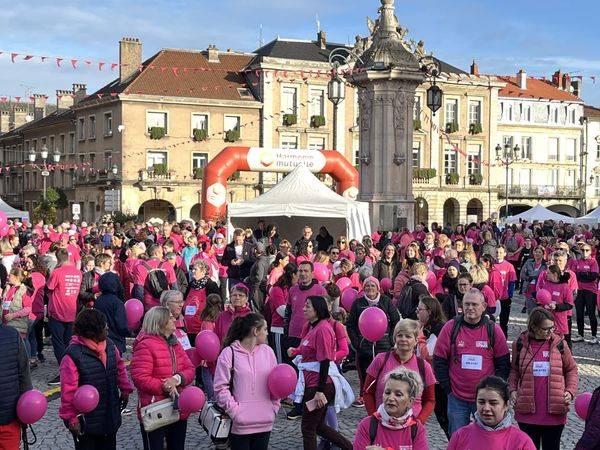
{"type": "Point", "coordinates": [539, 191]}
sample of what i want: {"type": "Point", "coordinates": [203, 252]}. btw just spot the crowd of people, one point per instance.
{"type": "Point", "coordinates": [446, 294]}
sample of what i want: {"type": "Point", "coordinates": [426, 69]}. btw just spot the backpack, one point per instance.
{"type": "Point", "coordinates": [156, 281]}
{"type": "Point", "coordinates": [405, 305]}
{"type": "Point", "coordinates": [458, 321]}
{"type": "Point", "coordinates": [512, 245]}
{"type": "Point", "coordinates": [373, 430]}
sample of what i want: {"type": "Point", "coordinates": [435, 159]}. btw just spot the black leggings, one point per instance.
{"type": "Point", "coordinates": [546, 435]}
{"type": "Point", "coordinates": [363, 361]}
{"type": "Point", "coordinates": [256, 441]}
{"type": "Point", "coordinates": [174, 435]}
{"type": "Point", "coordinates": [90, 442]}
{"type": "Point", "coordinates": [505, 315]}
{"type": "Point", "coordinates": [586, 303]}
{"type": "Point", "coordinates": [441, 408]}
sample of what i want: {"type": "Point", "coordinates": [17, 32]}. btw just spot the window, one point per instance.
{"type": "Point", "coordinates": [573, 116]}
{"type": "Point", "coordinates": [155, 157]}
{"type": "Point", "coordinates": [317, 102]}
{"type": "Point", "coordinates": [570, 178]}
{"type": "Point", "coordinates": [316, 143]}
{"type": "Point", "coordinates": [526, 147]}
{"type": "Point", "coordinates": [507, 140]}
{"type": "Point", "coordinates": [450, 161]}
{"type": "Point", "coordinates": [199, 160]}
{"type": "Point", "coordinates": [451, 110]}
{"type": "Point", "coordinates": [62, 144]}
{"type": "Point", "coordinates": [553, 114]}
{"type": "Point", "coordinates": [356, 152]}
{"type": "Point", "coordinates": [473, 159]}
{"type": "Point", "coordinates": [156, 119]}
{"type": "Point", "coordinates": [289, 142]}
{"type": "Point", "coordinates": [553, 149]}
{"type": "Point", "coordinates": [71, 181]}
{"type": "Point", "coordinates": [81, 129]}
{"type": "Point", "coordinates": [51, 146]}
{"type": "Point", "coordinates": [571, 150]}
{"type": "Point", "coordinates": [232, 123]}
{"type": "Point", "coordinates": [597, 147]}
{"type": "Point", "coordinates": [107, 124]}
{"type": "Point", "coordinates": [108, 161]}
{"type": "Point", "coordinates": [553, 177]}
{"type": "Point", "coordinates": [416, 155]}
{"type": "Point", "coordinates": [474, 112]}
{"type": "Point", "coordinates": [92, 127]}
{"type": "Point", "coordinates": [71, 143]}
{"type": "Point", "coordinates": [199, 122]}
{"type": "Point", "coordinates": [597, 185]}
{"type": "Point", "coordinates": [417, 108]}
{"type": "Point", "coordinates": [289, 100]}
{"type": "Point", "coordinates": [27, 181]}
{"type": "Point", "coordinates": [508, 117]}
{"type": "Point", "coordinates": [92, 160]}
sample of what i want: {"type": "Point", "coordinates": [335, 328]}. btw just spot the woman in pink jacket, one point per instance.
{"type": "Point", "coordinates": [492, 428]}
{"type": "Point", "coordinates": [557, 283]}
{"type": "Point", "coordinates": [543, 380]}
{"type": "Point", "coordinates": [240, 383]}
{"type": "Point", "coordinates": [160, 368]}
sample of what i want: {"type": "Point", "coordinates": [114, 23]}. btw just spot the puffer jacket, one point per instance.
{"type": "Point", "coordinates": [155, 359]}
{"type": "Point", "coordinates": [590, 440]}
{"type": "Point", "coordinates": [17, 302]}
{"type": "Point", "coordinates": [359, 342]}
{"type": "Point", "coordinates": [563, 376]}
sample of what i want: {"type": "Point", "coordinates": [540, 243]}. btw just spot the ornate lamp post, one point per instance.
{"type": "Point", "coordinates": [336, 93]}
{"type": "Point", "coordinates": [507, 156]}
{"type": "Point", "coordinates": [44, 168]}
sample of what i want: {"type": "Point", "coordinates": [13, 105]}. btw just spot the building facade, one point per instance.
{"type": "Point", "coordinates": [591, 139]}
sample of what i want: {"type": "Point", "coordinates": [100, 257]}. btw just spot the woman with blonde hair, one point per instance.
{"type": "Point", "coordinates": [481, 278]}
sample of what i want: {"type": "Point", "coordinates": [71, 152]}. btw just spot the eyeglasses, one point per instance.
{"type": "Point", "coordinates": [422, 309]}
{"type": "Point", "coordinates": [548, 329]}
{"type": "Point", "coordinates": [464, 284]}
{"type": "Point", "coordinates": [587, 250]}
{"type": "Point", "coordinates": [335, 253]}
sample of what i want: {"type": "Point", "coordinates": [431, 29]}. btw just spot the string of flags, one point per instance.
{"type": "Point", "coordinates": [50, 167]}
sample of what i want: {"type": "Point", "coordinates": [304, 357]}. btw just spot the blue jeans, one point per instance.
{"type": "Point", "coordinates": [459, 413]}
{"type": "Point", "coordinates": [61, 336]}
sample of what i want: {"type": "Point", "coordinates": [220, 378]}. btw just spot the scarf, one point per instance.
{"type": "Point", "coordinates": [375, 301]}
{"type": "Point", "coordinates": [394, 423]}
{"type": "Point", "coordinates": [504, 423]}
{"type": "Point", "coordinates": [99, 348]}
{"type": "Point", "coordinates": [199, 284]}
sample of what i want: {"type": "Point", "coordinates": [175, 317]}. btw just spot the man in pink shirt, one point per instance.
{"type": "Point", "coordinates": [469, 348]}
{"type": "Point", "coordinates": [63, 289]}
{"type": "Point", "coordinates": [140, 276]}
{"type": "Point", "coordinates": [509, 278]}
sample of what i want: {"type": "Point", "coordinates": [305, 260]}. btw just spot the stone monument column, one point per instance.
{"type": "Point", "coordinates": [387, 71]}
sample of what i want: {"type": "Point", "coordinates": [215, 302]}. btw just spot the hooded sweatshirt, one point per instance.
{"type": "Point", "coordinates": [113, 308]}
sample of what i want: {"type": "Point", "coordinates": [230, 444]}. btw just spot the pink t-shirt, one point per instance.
{"type": "Point", "coordinates": [392, 363]}
{"type": "Point", "coordinates": [318, 345]}
{"type": "Point", "coordinates": [541, 372]}
{"type": "Point", "coordinates": [473, 437]}
{"type": "Point", "coordinates": [508, 274]}
{"type": "Point", "coordinates": [585, 265]}
{"type": "Point", "coordinates": [561, 293]}
{"type": "Point", "coordinates": [296, 299]}
{"type": "Point", "coordinates": [489, 296]}
{"type": "Point", "coordinates": [390, 439]}
{"type": "Point", "coordinates": [63, 283]}
{"type": "Point", "coordinates": [470, 358]}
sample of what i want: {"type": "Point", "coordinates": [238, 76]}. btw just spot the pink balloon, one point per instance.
{"type": "Point", "coordinates": [282, 381]}
{"type": "Point", "coordinates": [31, 407]}
{"type": "Point", "coordinates": [3, 230]}
{"type": "Point", "coordinates": [344, 283]}
{"type": "Point", "coordinates": [134, 310]}
{"type": "Point", "coordinates": [373, 324]}
{"type": "Point", "coordinates": [582, 403]}
{"type": "Point", "coordinates": [348, 297]}
{"type": "Point", "coordinates": [191, 400]}
{"type": "Point", "coordinates": [3, 218]}
{"type": "Point", "coordinates": [191, 353]}
{"type": "Point", "coordinates": [386, 285]}
{"type": "Point", "coordinates": [543, 297]}
{"type": "Point", "coordinates": [321, 272]}
{"type": "Point", "coordinates": [86, 398]}
{"type": "Point", "coordinates": [208, 346]}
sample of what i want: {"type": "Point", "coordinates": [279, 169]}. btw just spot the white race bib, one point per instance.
{"type": "Point", "coordinates": [6, 305]}
{"type": "Point", "coordinates": [185, 342]}
{"type": "Point", "coordinates": [472, 362]}
{"type": "Point", "coordinates": [190, 310]}
{"type": "Point", "coordinates": [541, 369]}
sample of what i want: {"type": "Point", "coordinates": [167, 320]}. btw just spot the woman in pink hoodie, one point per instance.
{"type": "Point", "coordinates": [240, 383]}
{"type": "Point", "coordinates": [492, 427]}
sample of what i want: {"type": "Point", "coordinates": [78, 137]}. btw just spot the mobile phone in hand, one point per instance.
{"type": "Point", "coordinates": [311, 405]}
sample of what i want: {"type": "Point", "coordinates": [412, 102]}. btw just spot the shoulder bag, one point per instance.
{"type": "Point", "coordinates": [213, 418]}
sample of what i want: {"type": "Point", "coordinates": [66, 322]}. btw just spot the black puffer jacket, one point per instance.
{"type": "Point", "coordinates": [358, 341]}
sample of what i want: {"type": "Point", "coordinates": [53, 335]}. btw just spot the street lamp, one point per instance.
{"type": "Point", "coordinates": [507, 155]}
{"type": "Point", "coordinates": [44, 167]}
{"type": "Point", "coordinates": [434, 97]}
{"type": "Point", "coordinates": [336, 93]}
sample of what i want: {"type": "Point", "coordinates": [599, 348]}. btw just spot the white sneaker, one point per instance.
{"type": "Point", "coordinates": [593, 340]}
{"type": "Point", "coordinates": [577, 338]}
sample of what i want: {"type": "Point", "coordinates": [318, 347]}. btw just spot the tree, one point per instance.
{"type": "Point", "coordinates": [46, 211]}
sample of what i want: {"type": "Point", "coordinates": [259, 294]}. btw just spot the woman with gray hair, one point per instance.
{"type": "Point", "coordinates": [199, 288]}
{"type": "Point", "coordinates": [173, 300]}
{"type": "Point", "coordinates": [393, 424]}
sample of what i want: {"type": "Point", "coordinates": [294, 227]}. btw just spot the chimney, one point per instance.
{"type": "Point", "coordinates": [566, 82]}
{"type": "Point", "coordinates": [213, 53]}
{"type": "Point", "coordinates": [576, 88]}
{"type": "Point", "coordinates": [322, 39]}
{"type": "Point", "coordinates": [20, 116]}
{"type": "Point", "coordinates": [474, 68]}
{"type": "Point", "coordinates": [39, 106]}
{"type": "Point", "coordinates": [557, 78]}
{"type": "Point", "coordinates": [130, 57]}
{"type": "Point", "coordinates": [64, 99]}
{"type": "Point", "coordinates": [522, 79]}
{"type": "Point", "coordinates": [79, 91]}
{"type": "Point", "coordinates": [4, 121]}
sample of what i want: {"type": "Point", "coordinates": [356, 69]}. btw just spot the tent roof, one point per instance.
{"type": "Point", "coordinates": [595, 214]}
{"type": "Point", "coordinates": [540, 213]}
{"type": "Point", "coordinates": [12, 213]}
{"type": "Point", "coordinates": [300, 193]}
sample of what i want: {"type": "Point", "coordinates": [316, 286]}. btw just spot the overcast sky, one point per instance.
{"type": "Point", "coordinates": [502, 35]}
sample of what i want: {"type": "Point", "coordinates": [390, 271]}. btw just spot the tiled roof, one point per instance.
{"type": "Point", "coordinates": [591, 111]}
{"type": "Point", "coordinates": [57, 116]}
{"type": "Point", "coordinates": [311, 51]}
{"type": "Point", "coordinates": [185, 73]}
{"type": "Point", "coordinates": [536, 89]}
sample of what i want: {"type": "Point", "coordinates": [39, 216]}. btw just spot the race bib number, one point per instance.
{"type": "Point", "coordinates": [190, 310]}
{"type": "Point", "coordinates": [6, 305]}
{"type": "Point", "coordinates": [481, 344]}
{"type": "Point", "coordinates": [185, 342]}
{"type": "Point", "coordinates": [472, 362]}
{"type": "Point", "coordinates": [541, 369]}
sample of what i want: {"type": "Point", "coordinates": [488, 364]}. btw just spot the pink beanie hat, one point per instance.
{"type": "Point", "coordinates": [372, 280]}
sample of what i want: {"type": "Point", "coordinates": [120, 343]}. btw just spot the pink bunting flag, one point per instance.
{"type": "Point", "coordinates": [113, 65]}
{"type": "Point", "coordinates": [101, 65]}
{"type": "Point", "coordinates": [74, 63]}
{"type": "Point", "coordinates": [13, 56]}
{"type": "Point", "coordinates": [27, 57]}
{"type": "Point", "coordinates": [58, 61]}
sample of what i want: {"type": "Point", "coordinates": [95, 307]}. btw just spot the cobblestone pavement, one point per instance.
{"type": "Point", "coordinates": [51, 433]}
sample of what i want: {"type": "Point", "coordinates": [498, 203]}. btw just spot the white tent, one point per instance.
{"type": "Point", "coordinates": [12, 213]}
{"type": "Point", "coordinates": [592, 218]}
{"type": "Point", "coordinates": [540, 213]}
{"type": "Point", "coordinates": [302, 199]}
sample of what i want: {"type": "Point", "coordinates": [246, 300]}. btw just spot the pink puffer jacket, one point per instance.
{"type": "Point", "coordinates": [563, 377]}
{"type": "Point", "coordinates": [153, 361]}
